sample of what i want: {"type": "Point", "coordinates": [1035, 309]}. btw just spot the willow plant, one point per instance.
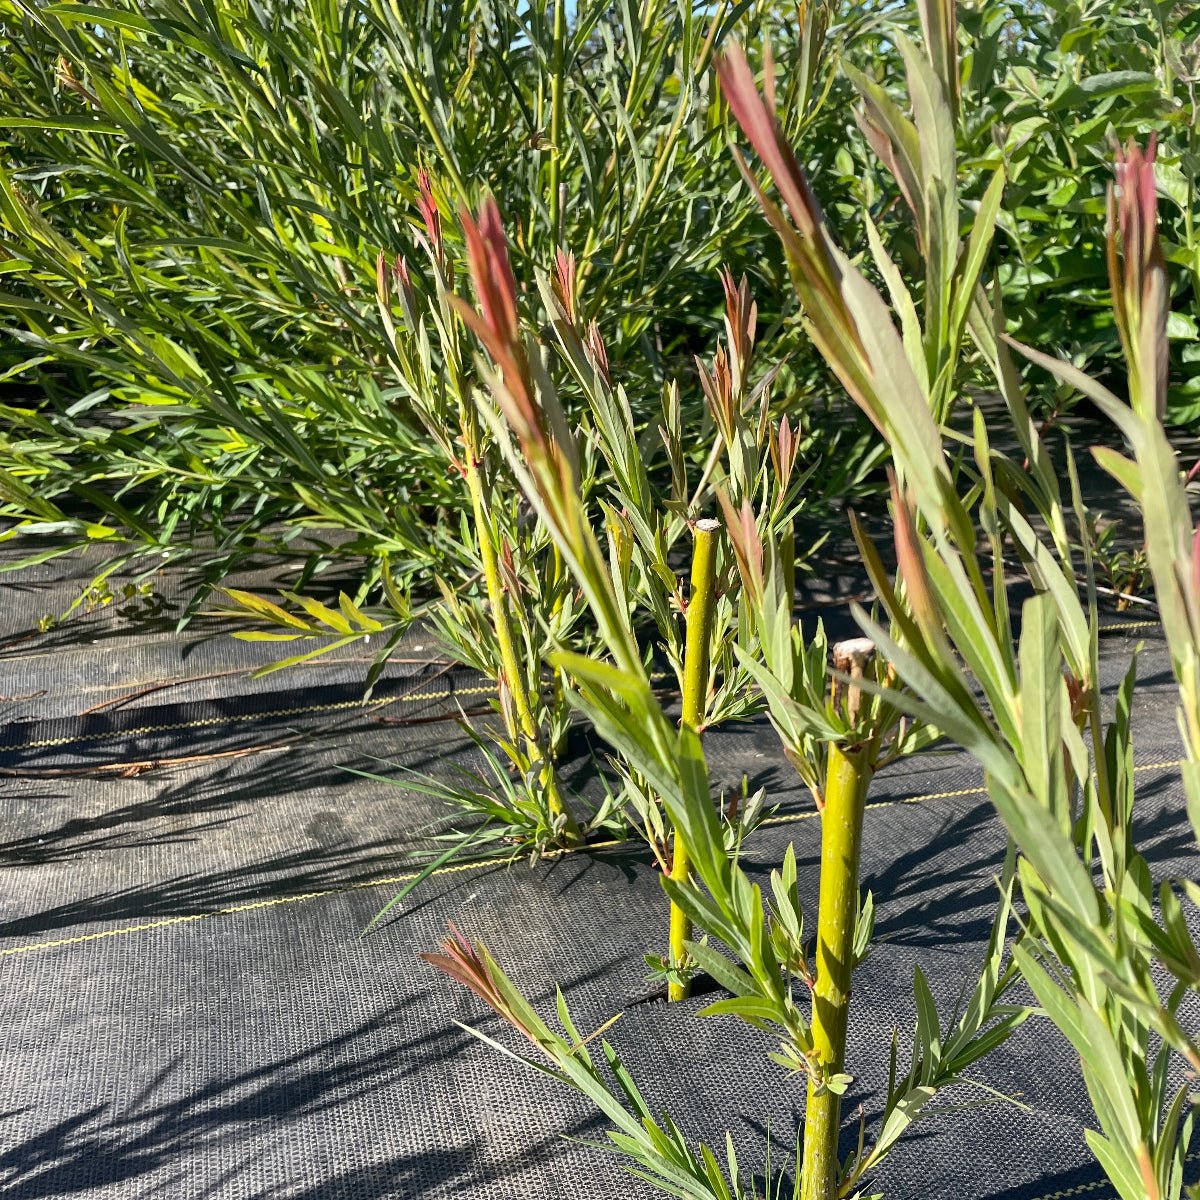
{"type": "Point", "coordinates": [1094, 947]}
{"type": "Point", "coordinates": [837, 736]}
{"type": "Point", "coordinates": [1116, 934]}
{"type": "Point", "coordinates": [769, 956]}
{"type": "Point", "coordinates": [647, 525]}
{"type": "Point", "coordinates": [529, 603]}
{"type": "Point", "coordinates": [517, 676]}
{"type": "Point", "coordinates": [654, 1148]}
{"type": "Point", "coordinates": [1096, 950]}
{"type": "Point", "coordinates": [837, 749]}
{"type": "Point", "coordinates": [525, 604]}
{"type": "Point", "coordinates": [531, 428]}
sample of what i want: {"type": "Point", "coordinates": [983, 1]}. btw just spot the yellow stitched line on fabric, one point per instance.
{"type": "Point", "coordinates": [1128, 625]}
{"type": "Point", "coordinates": [453, 869]}
{"type": "Point", "coordinates": [788, 818]}
{"type": "Point", "coordinates": [277, 901]}
{"type": "Point", "coordinates": [205, 722]}
{"type": "Point", "coordinates": [1078, 1190]}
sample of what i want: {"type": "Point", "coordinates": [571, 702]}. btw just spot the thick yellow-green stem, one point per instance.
{"type": "Point", "coordinates": [510, 664]}
{"type": "Point", "coordinates": [701, 605]}
{"type": "Point", "coordinates": [847, 776]}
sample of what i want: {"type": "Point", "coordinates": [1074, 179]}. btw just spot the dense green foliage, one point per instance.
{"type": "Point", "coordinates": [192, 197]}
{"type": "Point", "coordinates": [1049, 89]}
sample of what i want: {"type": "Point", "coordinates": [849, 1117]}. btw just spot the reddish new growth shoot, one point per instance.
{"type": "Point", "coordinates": [785, 446]}
{"type": "Point", "coordinates": [757, 118]}
{"type": "Point", "coordinates": [431, 216]}
{"type": "Point", "coordinates": [470, 965]}
{"type": "Point", "coordinates": [542, 435]}
{"type": "Point", "coordinates": [563, 283]}
{"type": "Point", "coordinates": [741, 322]}
{"type": "Point", "coordinates": [597, 352]}
{"type": "Point", "coordinates": [742, 528]}
{"type": "Point", "coordinates": [496, 325]}
{"type": "Point", "coordinates": [1138, 276]}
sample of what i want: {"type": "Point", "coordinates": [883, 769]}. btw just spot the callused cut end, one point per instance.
{"type": "Point", "coordinates": [855, 652]}
{"type": "Point", "coordinates": [851, 658]}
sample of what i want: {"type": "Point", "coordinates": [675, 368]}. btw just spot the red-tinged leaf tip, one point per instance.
{"type": "Point", "coordinates": [1138, 276]}
{"type": "Point", "coordinates": [468, 964]}
{"type": "Point", "coordinates": [1137, 209]}
{"type": "Point", "coordinates": [491, 226]}
{"type": "Point", "coordinates": [789, 444]}
{"type": "Point", "coordinates": [563, 283]}
{"type": "Point", "coordinates": [401, 278]}
{"type": "Point", "coordinates": [761, 127]}
{"type": "Point", "coordinates": [742, 529]}
{"type": "Point", "coordinates": [741, 319]}
{"type": "Point", "coordinates": [430, 214]}
{"type": "Point", "coordinates": [806, 241]}
{"type": "Point", "coordinates": [885, 150]}
{"type": "Point", "coordinates": [381, 280]}
{"type": "Point", "coordinates": [464, 962]}
{"type": "Point", "coordinates": [717, 386]}
{"type": "Point", "coordinates": [491, 271]}
{"type": "Point", "coordinates": [910, 565]}
{"type": "Point", "coordinates": [1135, 174]}
{"type": "Point", "coordinates": [497, 326]}
{"type": "Point", "coordinates": [784, 446]}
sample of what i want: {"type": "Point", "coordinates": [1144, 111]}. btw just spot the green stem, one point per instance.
{"type": "Point", "coordinates": [698, 638]}
{"type": "Point", "coordinates": [556, 119]}
{"type": "Point", "coordinates": [510, 664]}
{"type": "Point", "coordinates": [847, 776]}
{"type": "Point", "coordinates": [446, 161]}
{"type": "Point", "coordinates": [558, 575]}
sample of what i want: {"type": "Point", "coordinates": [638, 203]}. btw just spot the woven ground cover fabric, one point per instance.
{"type": "Point", "coordinates": [189, 1008]}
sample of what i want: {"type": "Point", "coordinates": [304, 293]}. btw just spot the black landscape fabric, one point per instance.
{"type": "Point", "coordinates": [189, 1008]}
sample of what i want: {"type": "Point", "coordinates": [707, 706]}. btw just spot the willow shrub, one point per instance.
{"type": "Point", "coordinates": [615, 693]}
{"type": "Point", "coordinates": [837, 729]}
